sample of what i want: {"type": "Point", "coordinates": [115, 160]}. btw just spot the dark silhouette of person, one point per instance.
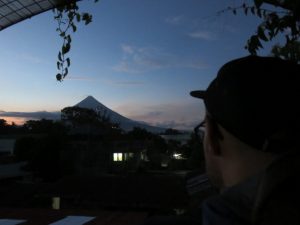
{"type": "Point", "coordinates": [251, 142]}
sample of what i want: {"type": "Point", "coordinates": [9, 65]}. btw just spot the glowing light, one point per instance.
{"type": "Point", "coordinates": [118, 157]}
{"type": "Point", "coordinates": [177, 156]}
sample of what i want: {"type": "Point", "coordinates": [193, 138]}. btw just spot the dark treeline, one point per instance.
{"type": "Point", "coordinates": [49, 146]}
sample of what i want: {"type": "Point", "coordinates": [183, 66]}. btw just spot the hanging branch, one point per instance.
{"type": "Point", "coordinates": [286, 22]}
{"type": "Point", "coordinates": [67, 16]}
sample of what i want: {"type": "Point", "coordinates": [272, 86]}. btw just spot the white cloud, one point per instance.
{"type": "Point", "coordinates": [125, 83]}
{"type": "Point", "coordinates": [31, 58]}
{"type": "Point", "coordinates": [125, 67]}
{"type": "Point", "coordinates": [204, 35]}
{"type": "Point", "coordinates": [80, 78]}
{"type": "Point", "coordinates": [127, 49]}
{"type": "Point", "coordinates": [175, 20]}
{"type": "Point", "coordinates": [137, 60]}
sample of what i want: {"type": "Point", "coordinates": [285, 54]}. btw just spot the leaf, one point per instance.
{"type": "Point", "coordinates": [78, 17]}
{"type": "Point", "coordinates": [74, 28]}
{"type": "Point", "coordinates": [253, 44]}
{"type": "Point", "coordinates": [68, 47]}
{"type": "Point", "coordinates": [66, 72]}
{"type": "Point", "coordinates": [71, 15]}
{"type": "Point", "coordinates": [265, 13]}
{"type": "Point", "coordinates": [69, 39]}
{"type": "Point", "coordinates": [258, 3]}
{"type": "Point", "coordinates": [58, 65]}
{"type": "Point", "coordinates": [58, 77]}
{"type": "Point", "coordinates": [62, 34]}
{"type": "Point", "coordinates": [234, 11]}
{"type": "Point", "coordinates": [252, 10]}
{"type": "Point", "coordinates": [59, 56]}
{"type": "Point", "coordinates": [259, 45]}
{"type": "Point", "coordinates": [261, 34]}
{"type": "Point", "coordinates": [65, 48]}
{"type": "Point", "coordinates": [246, 11]}
{"type": "Point", "coordinates": [258, 12]}
{"type": "Point", "coordinates": [68, 62]}
{"type": "Point", "coordinates": [87, 18]}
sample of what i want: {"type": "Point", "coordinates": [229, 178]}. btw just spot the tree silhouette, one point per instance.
{"type": "Point", "coordinates": [283, 18]}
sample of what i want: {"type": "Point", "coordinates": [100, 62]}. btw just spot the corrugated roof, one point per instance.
{"type": "Point", "coordinates": [14, 11]}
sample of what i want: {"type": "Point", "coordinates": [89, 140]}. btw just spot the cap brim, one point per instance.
{"type": "Point", "coordinates": [198, 94]}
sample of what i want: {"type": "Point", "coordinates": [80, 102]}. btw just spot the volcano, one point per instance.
{"type": "Point", "coordinates": [125, 123]}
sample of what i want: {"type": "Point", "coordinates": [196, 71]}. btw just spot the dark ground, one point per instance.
{"type": "Point", "coordinates": [140, 195]}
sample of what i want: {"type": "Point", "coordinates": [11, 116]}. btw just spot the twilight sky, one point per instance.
{"type": "Point", "coordinates": [141, 58]}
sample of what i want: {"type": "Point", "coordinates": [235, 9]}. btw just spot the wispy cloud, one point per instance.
{"type": "Point", "coordinates": [127, 49]}
{"type": "Point", "coordinates": [32, 115]}
{"type": "Point", "coordinates": [137, 60]}
{"type": "Point", "coordinates": [31, 58]}
{"type": "Point", "coordinates": [175, 20]}
{"type": "Point", "coordinates": [124, 83]}
{"type": "Point", "coordinates": [174, 115]}
{"type": "Point", "coordinates": [80, 78]}
{"type": "Point", "coordinates": [129, 83]}
{"type": "Point", "coordinates": [204, 35]}
{"type": "Point", "coordinates": [195, 64]}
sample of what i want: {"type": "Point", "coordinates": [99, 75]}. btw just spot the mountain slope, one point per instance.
{"type": "Point", "coordinates": [126, 124]}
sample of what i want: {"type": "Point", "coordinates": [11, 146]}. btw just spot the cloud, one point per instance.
{"type": "Point", "coordinates": [184, 125]}
{"type": "Point", "coordinates": [194, 64]}
{"type": "Point", "coordinates": [126, 67]}
{"type": "Point", "coordinates": [123, 83]}
{"type": "Point", "coordinates": [31, 58]}
{"type": "Point", "coordinates": [137, 60]}
{"type": "Point", "coordinates": [204, 35]}
{"type": "Point", "coordinates": [175, 20]}
{"type": "Point", "coordinates": [129, 83]}
{"type": "Point", "coordinates": [180, 115]}
{"type": "Point", "coordinates": [142, 59]}
{"type": "Point", "coordinates": [127, 49]}
{"type": "Point", "coordinates": [80, 78]}
{"type": "Point", "coordinates": [32, 115]}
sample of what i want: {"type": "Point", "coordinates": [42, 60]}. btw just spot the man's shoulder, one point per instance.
{"type": "Point", "coordinates": [233, 206]}
{"type": "Point", "coordinates": [271, 197]}
{"type": "Point", "coordinates": [278, 197]}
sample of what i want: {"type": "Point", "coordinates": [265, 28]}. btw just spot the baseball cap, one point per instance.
{"type": "Point", "coordinates": [256, 99]}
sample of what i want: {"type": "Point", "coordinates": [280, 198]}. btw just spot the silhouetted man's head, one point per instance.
{"type": "Point", "coordinates": [251, 105]}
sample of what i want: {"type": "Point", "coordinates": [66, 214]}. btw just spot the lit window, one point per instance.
{"type": "Point", "coordinates": [118, 157]}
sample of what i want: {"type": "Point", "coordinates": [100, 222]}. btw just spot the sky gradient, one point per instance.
{"type": "Point", "coordinates": [141, 58]}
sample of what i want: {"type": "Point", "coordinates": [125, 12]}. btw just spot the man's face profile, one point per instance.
{"type": "Point", "coordinates": [212, 159]}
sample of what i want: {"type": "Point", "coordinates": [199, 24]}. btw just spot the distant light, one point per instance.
{"type": "Point", "coordinates": [56, 203]}
{"type": "Point", "coordinates": [177, 156]}
{"type": "Point", "coordinates": [164, 164]}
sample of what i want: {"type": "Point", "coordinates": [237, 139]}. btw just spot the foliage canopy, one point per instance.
{"type": "Point", "coordinates": [282, 19]}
